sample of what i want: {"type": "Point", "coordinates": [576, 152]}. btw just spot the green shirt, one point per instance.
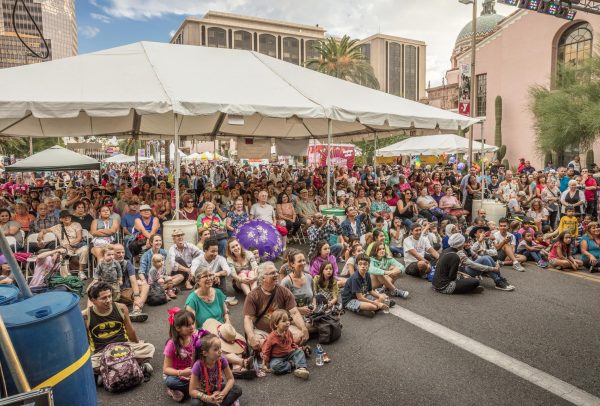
{"type": "Point", "coordinates": [205, 311]}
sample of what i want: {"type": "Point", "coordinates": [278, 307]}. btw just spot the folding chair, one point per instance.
{"type": "Point", "coordinates": [32, 238]}
{"type": "Point", "coordinates": [12, 242]}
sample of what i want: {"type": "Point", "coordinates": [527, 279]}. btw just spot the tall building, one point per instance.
{"type": "Point", "coordinates": [398, 63]}
{"type": "Point", "coordinates": [56, 20]}
{"type": "Point", "coordinates": [515, 53]}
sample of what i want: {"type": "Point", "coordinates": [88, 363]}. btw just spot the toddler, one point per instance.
{"type": "Point", "coordinates": [108, 270]}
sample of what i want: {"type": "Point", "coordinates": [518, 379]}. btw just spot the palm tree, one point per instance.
{"type": "Point", "coordinates": [343, 59]}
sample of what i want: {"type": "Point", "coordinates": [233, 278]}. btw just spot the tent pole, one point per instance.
{"type": "Point", "coordinates": [177, 165]}
{"type": "Point", "coordinates": [375, 155]}
{"type": "Point", "coordinates": [482, 165]}
{"type": "Point", "coordinates": [30, 146]}
{"type": "Point", "coordinates": [329, 134]}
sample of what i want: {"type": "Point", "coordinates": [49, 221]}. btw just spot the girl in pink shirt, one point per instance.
{"type": "Point", "coordinates": [179, 350]}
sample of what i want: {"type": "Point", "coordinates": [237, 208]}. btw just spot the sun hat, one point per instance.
{"type": "Point", "coordinates": [456, 241]}
{"type": "Point", "coordinates": [231, 341]}
{"type": "Point", "coordinates": [477, 228]}
{"type": "Point", "coordinates": [177, 231]}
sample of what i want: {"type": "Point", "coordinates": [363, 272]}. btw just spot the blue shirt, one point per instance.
{"type": "Point", "coordinates": [356, 284]}
{"type": "Point", "coordinates": [146, 260]}
{"type": "Point", "coordinates": [128, 220]}
{"type": "Point", "coordinates": [564, 183]}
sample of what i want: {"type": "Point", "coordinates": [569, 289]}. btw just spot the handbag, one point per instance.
{"type": "Point", "coordinates": [218, 234]}
{"type": "Point", "coordinates": [156, 295]}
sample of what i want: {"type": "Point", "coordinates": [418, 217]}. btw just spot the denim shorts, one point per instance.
{"type": "Point", "coordinates": [354, 304]}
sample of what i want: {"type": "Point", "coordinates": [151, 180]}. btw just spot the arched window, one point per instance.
{"type": "Point", "coordinates": [242, 40]}
{"type": "Point", "coordinates": [217, 37]}
{"type": "Point", "coordinates": [311, 52]}
{"type": "Point", "coordinates": [291, 50]}
{"type": "Point", "coordinates": [267, 45]}
{"type": "Point", "coordinates": [575, 45]}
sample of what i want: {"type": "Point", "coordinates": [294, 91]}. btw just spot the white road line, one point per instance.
{"type": "Point", "coordinates": [543, 380]}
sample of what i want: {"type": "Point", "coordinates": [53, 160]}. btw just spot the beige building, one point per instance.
{"type": "Point", "coordinates": [399, 63]}
{"type": "Point", "coordinates": [56, 20]}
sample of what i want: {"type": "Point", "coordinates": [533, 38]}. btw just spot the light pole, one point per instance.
{"type": "Point", "coordinates": [473, 84]}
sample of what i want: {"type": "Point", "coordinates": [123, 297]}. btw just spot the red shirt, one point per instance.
{"type": "Point", "coordinates": [590, 195]}
{"type": "Point", "coordinates": [276, 346]}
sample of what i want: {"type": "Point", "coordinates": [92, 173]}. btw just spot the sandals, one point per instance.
{"type": "Point", "coordinates": [248, 362]}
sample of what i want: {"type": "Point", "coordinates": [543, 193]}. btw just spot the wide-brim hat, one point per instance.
{"type": "Point", "coordinates": [230, 339]}
{"type": "Point", "coordinates": [477, 228]}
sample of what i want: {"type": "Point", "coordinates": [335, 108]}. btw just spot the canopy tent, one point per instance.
{"type": "Point", "coordinates": [204, 156]}
{"type": "Point", "coordinates": [157, 89]}
{"type": "Point", "coordinates": [433, 145]}
{"type": "Point", "coordinates": [123, 159]}
{"type": "Point", "coordinates": [55, 159]}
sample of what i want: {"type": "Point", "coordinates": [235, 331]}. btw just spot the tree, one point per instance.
{"type": "Point", "coordinates": [568, 114]}
{"type": "Point", "coordinates": [19, 147]}
{"type": "Point", "coordinates": [130, 146]}
{"type": "Point", "coordinates": [368, 147]}
{"type": "Point", "coordinates": [343, 59]}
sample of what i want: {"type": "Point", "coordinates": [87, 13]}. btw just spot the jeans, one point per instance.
{"type": "Point", "coordinates": [396, 250]}
{"type": "Point", "coordinates": [234, 394]}
{"type": "Point", "coordinates": [336, 250]}
{"type": "Point", "coordinates": [173, 382]}
{"type": "Point", "coordinates": [126, 240]}
{"type": "Point", "coordinates": [488, 261]}
{"type": "Point", "coordinates": [531, 255]}
{"type": "Point", "coordinates": [282, 365]}
{"type": "Point", "coordinates": [406, 222]}
{"type": "Point", "coordinates": [222, 246]}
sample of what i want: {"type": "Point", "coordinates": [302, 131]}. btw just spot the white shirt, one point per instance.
{"type": "Point", "coordinates": [216, 265]}
{"type": "Point", "coordinates": [498, 237]}
{"type": "Point", "coordinates": [420, 246]}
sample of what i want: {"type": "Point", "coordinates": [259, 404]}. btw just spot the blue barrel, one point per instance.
{"type": "Point", "coordinates": [8, 294]}
{"type": "Point", "coordinates": [50, 338]}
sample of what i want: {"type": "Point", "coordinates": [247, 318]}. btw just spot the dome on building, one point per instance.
{"type": "Point", "coordinates": [486, 24]}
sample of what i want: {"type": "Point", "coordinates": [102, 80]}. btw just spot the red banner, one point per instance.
{"type": "Point", "coordinates": [341, 155]}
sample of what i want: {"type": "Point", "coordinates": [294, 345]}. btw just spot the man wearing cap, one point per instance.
{"type": "Point", "coordinates": [446, 278]}
{"type": "Point", "coordinates": [181, 256]}
{"type": "Point", "coordinates": [143, 228]}
{"type": "Point", "coordinates": [305, 207]}
{"type": "Point", "coordinates": [69, 236]}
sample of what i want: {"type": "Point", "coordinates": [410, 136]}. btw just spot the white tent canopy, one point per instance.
{"type": "Point", "coordinates": [98, 93]}
{"type": "Point", "coordinates": [433, 145]}
{"type": "Point", "coordinates": [56, 158]}
{"type": "Point", "coordinates": [122, 159]}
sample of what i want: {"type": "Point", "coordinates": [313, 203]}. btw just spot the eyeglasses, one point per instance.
{"type": "Point", "coordinates": [274, 273]}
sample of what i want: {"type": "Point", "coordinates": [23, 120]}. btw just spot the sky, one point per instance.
{"type": "Point", "coordinates": [108, 23]}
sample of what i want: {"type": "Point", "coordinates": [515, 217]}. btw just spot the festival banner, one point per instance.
{"type": "Point", "coordinates": [341, 155]}
{"type": "Point", "coordinates": [464, 96]}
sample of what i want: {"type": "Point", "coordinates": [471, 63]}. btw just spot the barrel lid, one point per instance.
{"type": "Point", "coordinates": [37, 308]}
{"type": "Point", "coordinates": [333, 210]}
{"type": "Point", "coordinates": [8, 294]}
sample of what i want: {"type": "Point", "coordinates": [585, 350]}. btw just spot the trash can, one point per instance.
{"type": "Point", "coordinates": [50, 339]}
{"type": "Point", "coordinates": [335, 212]}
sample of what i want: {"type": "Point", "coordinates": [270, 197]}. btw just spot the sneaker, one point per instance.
{"type": "Point", "coordinates": [380, 289]}
{"type": "Point", "coordinates": [82, 276]}
{"type": "Point", "coordinates": [503, 285]}
{"type": "Point", "coordinates": [138, 317]}
{"type": "Point", "coordinates": [302, 373]}
{"type": "Point", "coordinates": [148, 370]}
{"type": "Point", "coordinates": [177, 395]}
{"type": "Point", "coordinates": [231, 301]}
{"type": "Point", "coordinates": [542, 263]}
{"type": "Point", "coordinates": [518, 267]}
{"type": "Point", "coordinates": [400, 293]}
{"type": "Point", "coordinates": [393, 303]}
{"type": "Point", "coordinates": [367, 313]}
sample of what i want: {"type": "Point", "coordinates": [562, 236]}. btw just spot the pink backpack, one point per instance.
{"type": "Point", "coordinates": [119, 369]}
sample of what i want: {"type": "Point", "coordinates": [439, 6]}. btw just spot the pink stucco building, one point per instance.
{"type": "Point", "coordinates": [514, 53]}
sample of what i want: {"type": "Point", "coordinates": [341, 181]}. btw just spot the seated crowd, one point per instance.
{"type": "Point", "coordinates": [399, 221]}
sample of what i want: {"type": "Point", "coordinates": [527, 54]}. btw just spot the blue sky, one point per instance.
{"type": "Point", "coordinates": [109, 23]}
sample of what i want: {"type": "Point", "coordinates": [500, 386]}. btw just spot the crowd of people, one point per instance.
{"type": "Point", "coordinates": [399, 221]}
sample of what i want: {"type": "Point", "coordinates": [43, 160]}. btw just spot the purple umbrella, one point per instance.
{"type": "Point", "coordinates": [262, 235]}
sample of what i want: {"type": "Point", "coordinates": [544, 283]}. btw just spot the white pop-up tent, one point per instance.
{"type": "Point", "coordinates": [158, 90]}
{"type": "Point", "coordinates": [56, 158]}
{"type": "Point", "coordinates": [123, 159]}
{"type": "Point", "coordinates": [433, 145]}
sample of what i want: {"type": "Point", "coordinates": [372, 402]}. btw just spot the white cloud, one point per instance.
{"type": "Point", "coordinates": [100, 17]}
{"type": "Point", "coordinates": [437, 22]}
{"type": "Point", "coordinates": [88, 31]}
{"type": "Point", "coordinates": [171, 33]}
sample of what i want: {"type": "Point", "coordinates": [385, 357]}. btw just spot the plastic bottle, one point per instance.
{"type": "Point", "coordinates": [319, 355]}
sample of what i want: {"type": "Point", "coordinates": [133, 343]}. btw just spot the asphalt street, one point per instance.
{"type": "Point", "coordinates": [549, 322]}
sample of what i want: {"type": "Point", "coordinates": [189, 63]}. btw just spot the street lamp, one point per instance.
{"type": "Point", "coordinates": [473, 87]}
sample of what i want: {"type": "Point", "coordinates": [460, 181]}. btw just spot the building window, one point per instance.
{"type": "Point", "coordinates": [217, 37]}
{"type": "Point", "coordinates": [575, 45]}
{"type": "Point", "coordinates": [395, 69]}
{"type": "Point", "coordinates": [242, 40]}
{"type": "Point", "coordinates": [365, 49]}
{"type": "Point", "coordinates": [410, 72]}
{"type": "Point", "coordinates": [291, 50]}
{"type": "Point", "coordinates": [179, 39]}
{"type": "Point", "coordinates": [311, 52]}
{"type": "Point", "coordinates": [481, 103]}
{"type": "Point", "coordinates": [267, 45]}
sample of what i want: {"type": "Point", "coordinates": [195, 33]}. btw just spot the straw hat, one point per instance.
{"type": "Point", "coordinates": [226, 332]}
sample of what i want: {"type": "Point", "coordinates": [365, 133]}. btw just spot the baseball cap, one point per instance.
{"type": "Point", "coordinates": [145, 207]}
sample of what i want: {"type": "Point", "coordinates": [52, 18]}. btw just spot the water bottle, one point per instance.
{"type": "Point", "coordinates": [386, 307]}
{"type": "Point", "coordinates": [319, 355]}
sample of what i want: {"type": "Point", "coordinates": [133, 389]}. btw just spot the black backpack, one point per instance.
{"type": "Point", "coordinates": [157, 295]}
{"type": "Point", "coordinates": [329, 328]}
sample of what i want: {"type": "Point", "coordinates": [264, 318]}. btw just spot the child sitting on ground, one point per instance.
{"type": "Point", "coordinates": [350, 265]}
{"type": "Point", "coordinates": [108, 270]}
{"type": "Point", "coordinates": [560, 255]}
{"type": "Point", "coordinates": [531, 250]}
{"type": "Point", "coordinates": [279, 352]}
{"type": "Point", "coordinates": [514, 230]}
{"type": "Point", "coordinates": [179, 350]}
{"type": "Point", "coordinates": [158, 273]}
{"type": "Point", "coordinates": [358, 294]}
{"type": "Point", "coordinates": [324, 284]}
{"type": "Point", "coordinates": [212, 381]}
{"type": "Point", "coordinates": [380, 224]}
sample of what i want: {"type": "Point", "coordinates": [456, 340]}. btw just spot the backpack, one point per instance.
{"type": "Point", "coordinates": [119, 369]}
{"type": "Point", "coordinates": [156, 295]}
{"type": "Point", "coordinates": [329, 328]}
